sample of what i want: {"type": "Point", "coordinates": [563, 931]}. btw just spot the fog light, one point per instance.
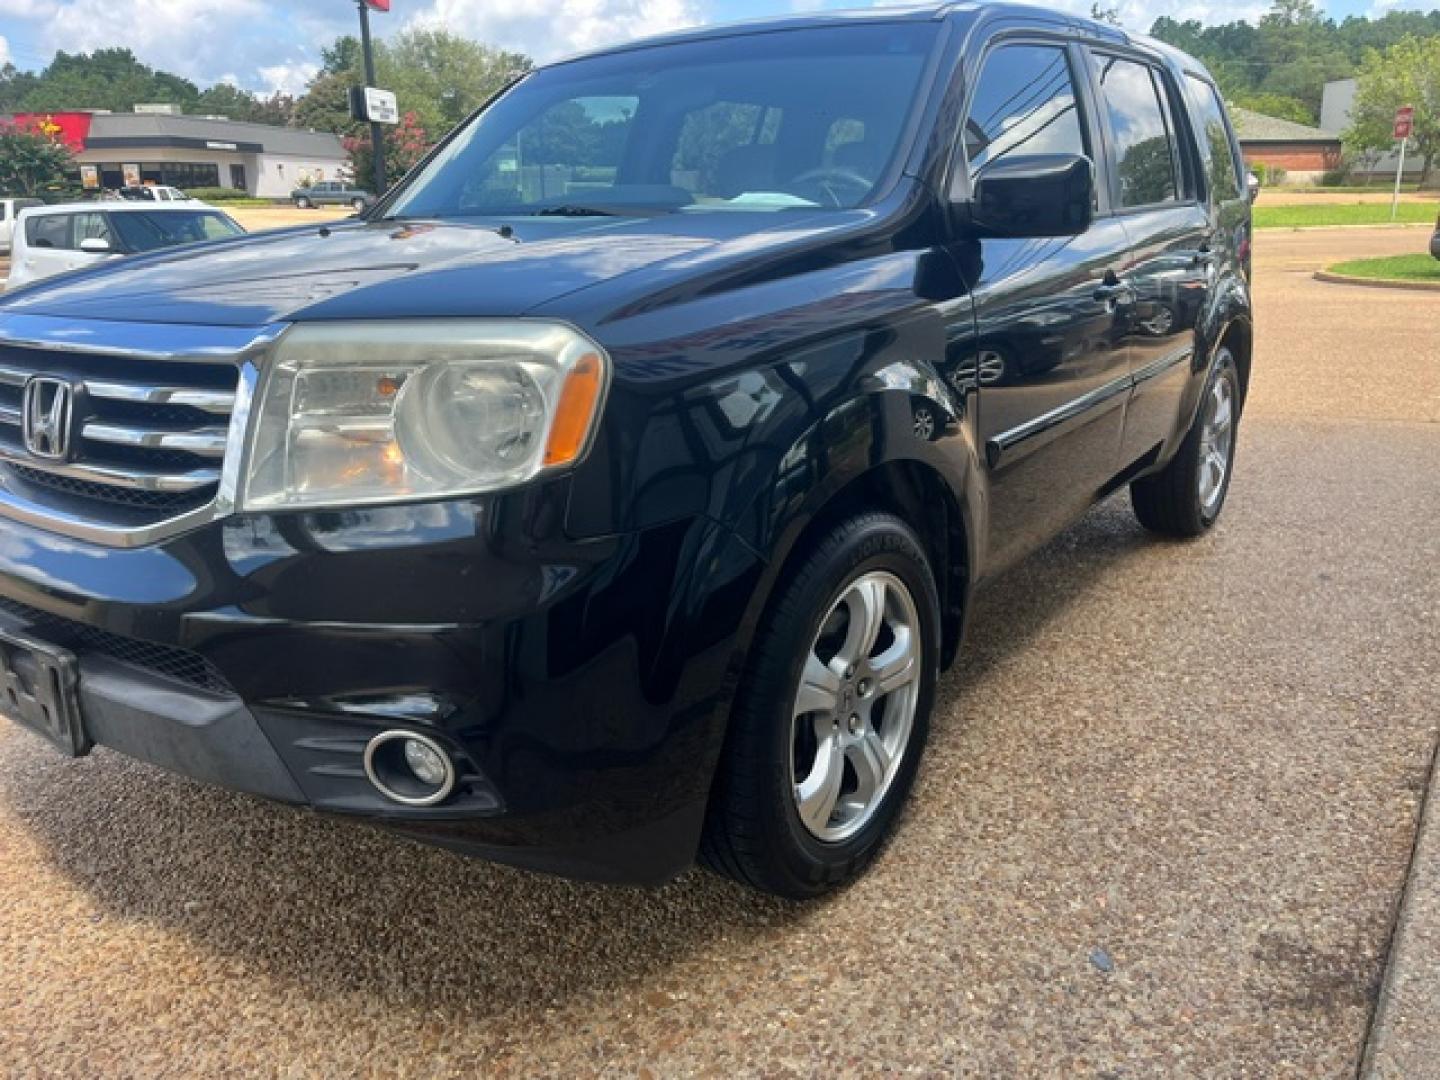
{"type": "Point", "coordinates": [426, 763]}
{"type": "Point", "coordinates": [409, 768]}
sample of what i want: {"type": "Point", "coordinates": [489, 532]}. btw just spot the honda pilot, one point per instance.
{"type": "Point", "coordinates": [611, 493]}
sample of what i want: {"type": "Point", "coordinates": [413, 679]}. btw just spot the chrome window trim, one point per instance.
{"type": "Point", "coordinates": [242, 347]}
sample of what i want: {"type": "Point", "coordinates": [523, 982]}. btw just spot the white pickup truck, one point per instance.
{"type": "Point", "coordinates": [9, 211]}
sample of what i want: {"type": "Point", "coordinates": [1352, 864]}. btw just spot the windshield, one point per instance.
{"type": "Point", "coordinates": [771, 121]}
{"type": "Point", "coordinates": [146, 232]}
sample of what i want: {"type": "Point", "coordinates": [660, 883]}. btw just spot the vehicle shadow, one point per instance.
{"type": "Point", "coordinates": [338, 909]}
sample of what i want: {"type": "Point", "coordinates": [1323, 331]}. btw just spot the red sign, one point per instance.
{"type": "Point", "coordinates": [1404, 122]}
{"type": "Point", "coordinates": [378, 5]}
{"type": "Point", "coordinates": [70, 129]}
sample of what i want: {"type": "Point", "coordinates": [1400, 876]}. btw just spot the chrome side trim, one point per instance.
{"type": "Point", "coordinates": [1009, 446]}
{"type": "Point", "coordinates": [1164, 364]}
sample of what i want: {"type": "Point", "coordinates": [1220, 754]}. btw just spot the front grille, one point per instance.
{"type": "Point", "coordinates": [148, 436]}
{"type": "Point", "coordinates": [167, 661]}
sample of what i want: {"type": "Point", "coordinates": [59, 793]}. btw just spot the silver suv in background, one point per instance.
{"type": "Point", "coordinates": [331, 193]}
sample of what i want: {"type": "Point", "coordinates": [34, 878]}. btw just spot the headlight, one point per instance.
{"type": "Point", "coordinates": [355, 413]}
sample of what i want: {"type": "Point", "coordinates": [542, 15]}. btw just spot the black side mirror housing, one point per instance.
{"type": "Point", "coordinates": [1031, 196]}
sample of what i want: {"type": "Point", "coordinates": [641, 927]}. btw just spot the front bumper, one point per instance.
{"type": "Point", "coordinates": [578, 684]}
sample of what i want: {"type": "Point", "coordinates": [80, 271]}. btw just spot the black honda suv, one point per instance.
{"type": "Point", "coordinates": [613, 491]}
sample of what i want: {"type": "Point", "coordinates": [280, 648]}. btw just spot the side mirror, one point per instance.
{"type": "Point", "coordinates": [94, 245]}
{"type": "Point", "coordinates": [1038, 195]}
{"type": "Point", "coordinates": [1252, 186]}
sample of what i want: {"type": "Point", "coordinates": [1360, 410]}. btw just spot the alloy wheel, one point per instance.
{"type": "Point", "coordinates": [855, 707]}
{"type": "Point", "coordinates": [1217, 440]}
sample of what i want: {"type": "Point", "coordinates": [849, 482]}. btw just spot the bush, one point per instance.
{"type": "Point", "coordinates": [217, 194]}
{"type": "Point", "coordinates": [1268, 175]}
{"type": "Point", "coordinates": [1334, 177]}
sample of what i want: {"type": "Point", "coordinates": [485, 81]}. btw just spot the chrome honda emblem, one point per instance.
{"type": "Point", "coordinates": [46, 414]}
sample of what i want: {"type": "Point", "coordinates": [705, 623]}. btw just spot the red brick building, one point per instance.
{"type": "Point", "coordinates": [1304, 152]}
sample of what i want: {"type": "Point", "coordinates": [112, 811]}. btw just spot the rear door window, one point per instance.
{"type": "Point", "coordinates": [1140, 136]}
{"type": "Point", "coordinates": [1024, 103]}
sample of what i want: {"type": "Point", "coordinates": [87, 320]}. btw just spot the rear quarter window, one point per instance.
{"type": "Point", "coordinates": [1217, 152]}
{"type": "Point", "coordinates": [49, 231]}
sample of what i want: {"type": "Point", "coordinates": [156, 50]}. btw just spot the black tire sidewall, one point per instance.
{"type": "Point", "coordinates": [871, 543]}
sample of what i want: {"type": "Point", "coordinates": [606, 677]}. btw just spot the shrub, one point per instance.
{"type": "Point", "coordinates": [217, 194]}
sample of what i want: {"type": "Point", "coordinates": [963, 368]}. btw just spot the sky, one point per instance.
{"type": "Point", "coordinates": [268, 45]}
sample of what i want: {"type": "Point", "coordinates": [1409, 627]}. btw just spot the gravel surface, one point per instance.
{"type": "Point", "coordinates": [1162, 828]}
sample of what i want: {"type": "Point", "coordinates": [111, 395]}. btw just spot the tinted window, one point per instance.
{"type": "Point", "coordinates": [91, 227]}
{"type": "Point", "coordinates": [48, 231]}
{"type": "Point", "coordinates": [1023, 104]}
{"type": "Point", "coordinates": [1216, 151]}
{"type": "Point", "coordinates": [146, 231]}
{"type": "Point", "coordinates": [1144, 156]}
{"type": "Point", "coordinates": [751, 122]}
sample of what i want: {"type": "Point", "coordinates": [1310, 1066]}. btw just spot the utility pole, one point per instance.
{"type": "Point", "coordinates": [377, 131]}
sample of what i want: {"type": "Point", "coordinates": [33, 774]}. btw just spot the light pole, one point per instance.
{"type": "Point", "coordinates": [377, 131]}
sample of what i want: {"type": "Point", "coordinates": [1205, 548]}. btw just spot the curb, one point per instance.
{"type": "Point", "coordinates": [1377, 283]}
{"type": "Point", "coordinates": [1403, 1039]}
{"type": "Point", "coordinates": [1333, 228]}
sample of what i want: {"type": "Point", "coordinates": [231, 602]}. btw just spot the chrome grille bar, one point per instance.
{"type": "Point", "coordinates": [219, 402]}
{"type": "Point", "coordinates": [136, 479]}
{"type": "Point", "coordinates": [206, 442]}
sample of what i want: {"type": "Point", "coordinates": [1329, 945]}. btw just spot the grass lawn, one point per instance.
{"type": "Point", "coordinates": [1294, 217]}
{"type": "Point", "coordinates": [1393, 267]}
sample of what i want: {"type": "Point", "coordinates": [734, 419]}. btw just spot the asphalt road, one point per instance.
{"type": "Point", "coordinates": [1162, 828]}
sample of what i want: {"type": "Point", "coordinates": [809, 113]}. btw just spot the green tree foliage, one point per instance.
{"type": "Point", "coordinates": [30, 162]}
{"type": "Point", "coordinates": [1291, 53]}
{"type": "Point", "coordinates": [223, 99]}
{"type": "Point", "coordinates": [1407, 74]}
{"type": "Point", "coordinates": [105, 79]}
{"type": "Point", "coordinates": [439, 76]}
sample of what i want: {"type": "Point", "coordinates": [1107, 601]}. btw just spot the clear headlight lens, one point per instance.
{"type": "Point", "coordinates": [356, 413]}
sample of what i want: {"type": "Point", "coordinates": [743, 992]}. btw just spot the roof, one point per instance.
{"type": "Point", "coordinates": [125, 206]}
{"type": "Point", "coordinates": [115, 129]}
{"type": "Point", "coordinates": [1254, 127]}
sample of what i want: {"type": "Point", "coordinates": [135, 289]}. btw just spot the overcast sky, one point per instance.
{"type": "Point", "coordinates": [265, 45]}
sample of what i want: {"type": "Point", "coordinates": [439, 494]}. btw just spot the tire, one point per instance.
{"type": "Point", "coordinates": [1185, 498]}
{"type": "Point", "coordinates": [860, 738]}
{"type": "Point", "coordinates": [302, 203]}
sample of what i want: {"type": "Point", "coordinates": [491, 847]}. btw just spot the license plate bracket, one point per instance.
{"type": "Point", "coordinates": [40, 690]}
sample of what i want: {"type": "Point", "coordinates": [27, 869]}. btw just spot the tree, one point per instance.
{"type": "Point", "coordinates": [105, 79]}
{"type": "Point", "coordinates": [1408, 74]}
{"type": "Point", "coordinates": [30, 162]}
{"type": "Point", "coordinates": [405, 144]}
{"type": "Point", "coordinates": [1287, 108]}
{"type": "Point", "coordinates": [437, 75]}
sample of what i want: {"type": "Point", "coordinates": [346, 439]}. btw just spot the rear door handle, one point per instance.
{"type": "Point", "coordinates": [1205, 257]}
{"type": "Point", "coordinates": [1114, 292]}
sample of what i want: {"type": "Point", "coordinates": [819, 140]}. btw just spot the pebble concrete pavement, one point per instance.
{"type": "Point", "coordinates": [1163, 828]}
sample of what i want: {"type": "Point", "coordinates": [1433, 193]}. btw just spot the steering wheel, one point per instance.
{"type": "Point", "coordinates": [833, 180]}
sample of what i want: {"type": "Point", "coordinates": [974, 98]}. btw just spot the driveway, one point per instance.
{"type": "Point", "coordinates": [1162, 827]}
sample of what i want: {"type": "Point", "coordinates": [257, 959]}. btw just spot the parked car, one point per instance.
{"type": "Point", "coordinates": [596, 506]}
{"type": "Point", "coordinates": [331, 193]}
{"type": "Point", "coordinates": [153, 193]}
{"type": "Point", "coordinates": [53, 240]}
{"type": "Point", "coordinates": [9, 210]}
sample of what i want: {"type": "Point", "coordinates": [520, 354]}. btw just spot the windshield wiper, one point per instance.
{"type": "Point", "coordinates": [575, 210]}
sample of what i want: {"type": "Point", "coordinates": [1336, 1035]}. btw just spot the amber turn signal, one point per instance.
{"type": "Point", "coordinates": [579, 401]}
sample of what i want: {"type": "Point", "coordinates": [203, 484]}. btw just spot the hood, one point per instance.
{"type": "Point", "coordinates": [391, 269]}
